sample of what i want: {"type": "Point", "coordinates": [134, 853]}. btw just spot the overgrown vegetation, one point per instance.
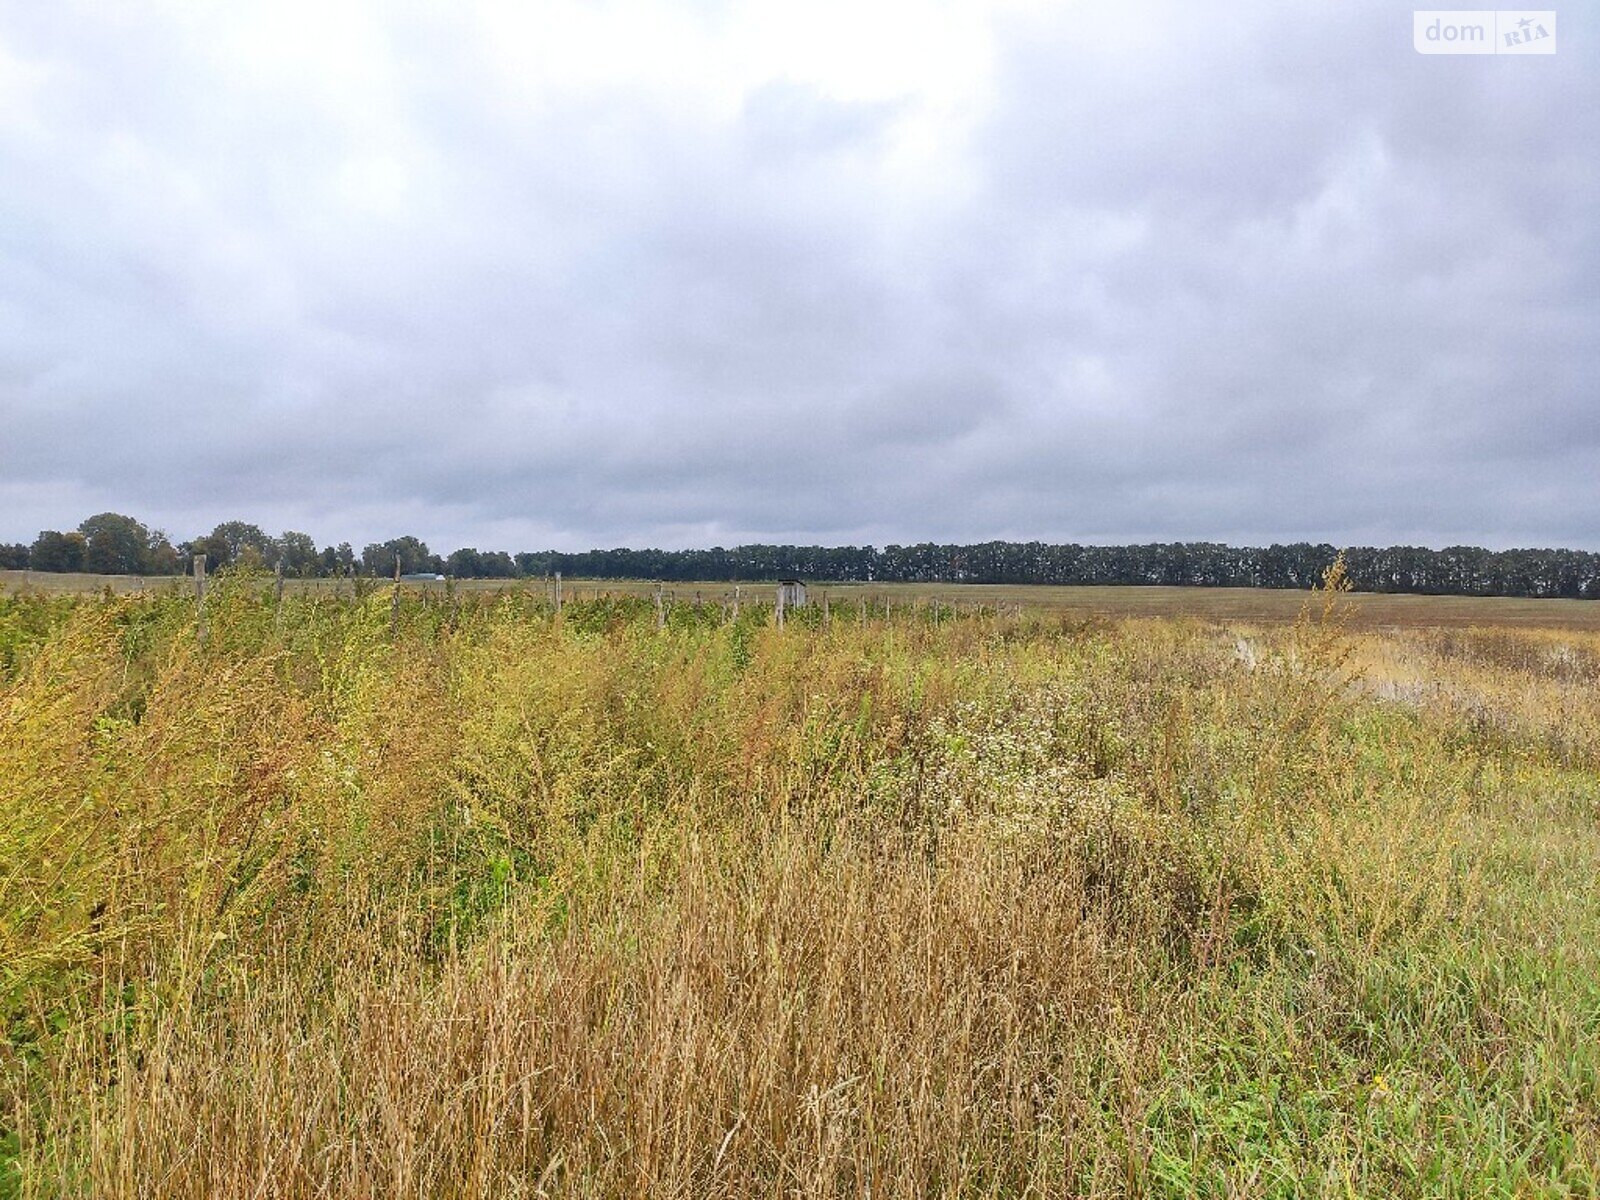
{"type": "Point", "coordinates": [471, 898]}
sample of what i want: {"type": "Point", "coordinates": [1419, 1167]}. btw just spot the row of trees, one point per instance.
{"type": "Point", "coordinates": [113, 544]}
{"type": "Point", "coordinates": [1457, 570]}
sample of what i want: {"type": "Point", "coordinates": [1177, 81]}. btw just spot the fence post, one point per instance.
{"type": "Point", "coordinates": [735, 602]}
{"type": "Point", "coordinates": [200, 593]}
{"type": "Point", "coordinates": [779, 609]}
{"type": "Point", "coordinates": [394, 601]}
{"type": "Point", "coordinates": [558, 591]}
{"type": "Point", "coordinates": [827, 613]}
{"type": "Point", "coordinates": [661, 615]}
{"type": "Point", "coordinates": [277, 609]}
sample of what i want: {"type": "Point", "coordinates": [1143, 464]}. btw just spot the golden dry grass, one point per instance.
{"type": "Point", "coordinates": [497, 902]}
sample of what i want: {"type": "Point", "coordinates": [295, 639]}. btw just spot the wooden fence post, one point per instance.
{"type": "Point", "coordinates": [394, 601]}
{"type": "Point", "coordinates": [200, 593]}
{"type": "Point", "coordinates": [661, 614]}
{"type": "Point", "coordinates": [779, 609]}
{"type": "Point", "coordinates": [735, 602]}
{"type": "Point", "coordinates": [558, 591]}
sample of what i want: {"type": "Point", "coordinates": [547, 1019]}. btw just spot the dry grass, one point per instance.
{"type": "Point", "coordinates": [509, 903]}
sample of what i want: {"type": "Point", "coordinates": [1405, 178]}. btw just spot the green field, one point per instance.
{"type": "Point", "coordinates": [1257, 605]}
{"type": "Point", "coordinates": [462, 896]}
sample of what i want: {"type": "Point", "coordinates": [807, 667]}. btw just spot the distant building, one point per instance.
{"type": "Point", "coordinates": [421, 577]}
{"type": "Point", "coordinates": [791, 593]}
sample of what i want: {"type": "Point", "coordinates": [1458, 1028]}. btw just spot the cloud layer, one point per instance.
{"type": "Point", "coordinates": [562, 275]}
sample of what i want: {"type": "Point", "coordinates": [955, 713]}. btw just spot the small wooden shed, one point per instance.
{"type": "Point", "coordinates": [791, 593]}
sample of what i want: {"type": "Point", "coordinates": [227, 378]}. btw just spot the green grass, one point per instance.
{"type": "Point", "coordinates": [1250, 605]}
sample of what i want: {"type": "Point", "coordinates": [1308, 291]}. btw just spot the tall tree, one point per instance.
{"type": "Point", "coordinates": [297, 553]}
{"type": "Point", "coordinates": [378, 558]}
{"type": "Point", "coordinates": [117, 545]}
{"type": "Point", "coordinates": [53, 550]}
{"type": "Point", "coordinates": [164, 558]}
{"type": "Point", "coordinates": [336, 560]}
{"type": "Point", "coordinates": [236, 543]}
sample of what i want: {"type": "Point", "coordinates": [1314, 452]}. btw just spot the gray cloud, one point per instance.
{"type": "Point", "coordinates": [1158, 274]}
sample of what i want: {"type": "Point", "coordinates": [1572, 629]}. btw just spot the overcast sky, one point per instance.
{"type": "Point", "coordinates": [534, 275]}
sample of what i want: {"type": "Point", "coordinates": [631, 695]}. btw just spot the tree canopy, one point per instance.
{"type": "Point", "coordinates": [119, 545]}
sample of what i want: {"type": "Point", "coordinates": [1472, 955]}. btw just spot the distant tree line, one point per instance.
{"type": "Point", "coordinates": [1457, 570]}
{"type": "Point", "coordinates": [113, 544]}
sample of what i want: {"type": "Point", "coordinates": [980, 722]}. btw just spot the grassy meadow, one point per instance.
{"type": "Point", "coordinates": [466, 897]}
{"type": "Point", "coordinates": [1368, 611]}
